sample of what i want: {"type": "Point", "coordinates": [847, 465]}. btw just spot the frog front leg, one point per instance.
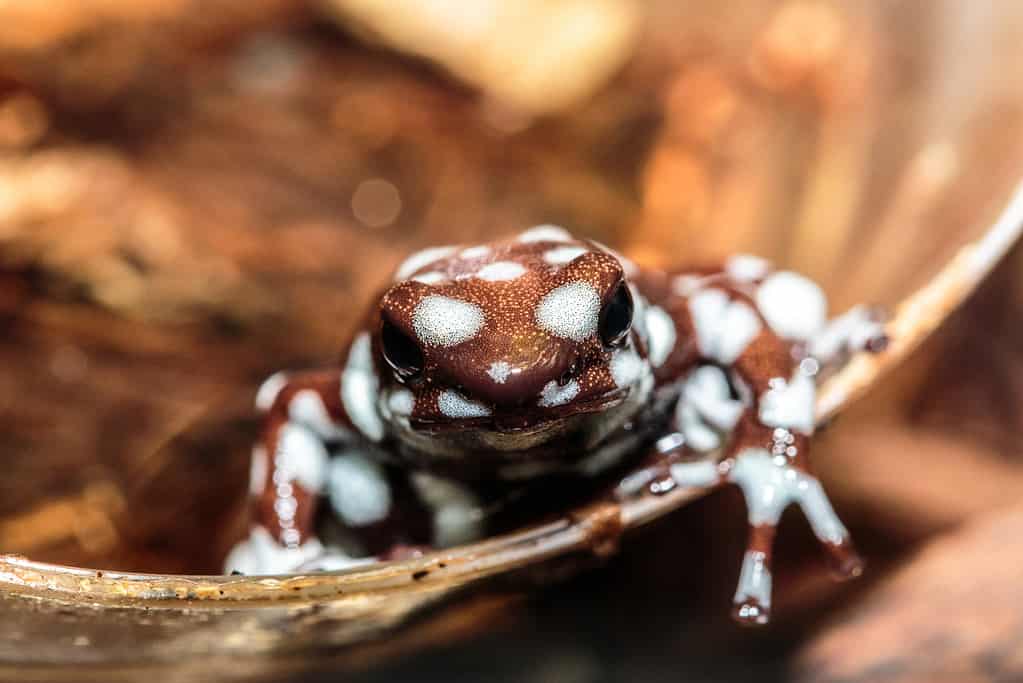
{"type": "Point", "coordinates": [752, 394]}
{"type": "Point", "coordinates": [303, 413]}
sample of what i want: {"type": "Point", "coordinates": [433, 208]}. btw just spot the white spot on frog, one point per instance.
{"type": "Point", "coordinates": [499, 371]}
{"type": "Point", "coordinates": [306, 407]}
{"type": "Point", "coordinates": [686, 285]}
{"type": "Point", "coordinates": [260, 553]}
{"type": "Point", "coordinates": [639, 314]}
{"type": "Point", "coordinates": [707, 390]}
{"type": "Point", "coordinates": [789, 404]}
{"type": "Point", "coordinates": [724, 328]}
{"type": "Point", "coordinates": [454, 405]}
{"type": "Point", "coordinates": [851, 331]}
{"type": "Point", "coordinates": [420, 259]}
{"type": "Point", "coordinates": [475, 252]}
{"type": "Point", "coordinates": [442, 321]}
{"type": "Point", "coordinates": [793, 306]}
{"type": "Point", "coordinates": [360, 387]}
{"type": "Point", "coordinates": [457, 515]}
{"type": "Point", "coordinates": [401, 402]}
{"type": "Point", "coordinates": [570, 311]}
{"type": "Point", "coordinates": [269, 390]}
{"type": "Point", "coordinates": [300, 457]}
{"type": "Point", "coordinates": [695, 474]}
{"type": "Point", "coordinates": [545, 233]}
{"type": "Point", "coordinates": [430, 278]}
{"type": "Point", "coordinates": [661, 330]}
{"type": "Point", "coordinates": [699, 435]}
{"type": "Point", "coordinates": [561, 255]}
{"type": "Point", "coordinates": [358, 489]}
{"type": "Point", "coordinates": [501, 271]}
{"type": "Point", "coordinates": [555, 394]}
{"type": "Point", "coordinates": [626, 367]}
{"type": "Point", "coordinates": [747, 268]}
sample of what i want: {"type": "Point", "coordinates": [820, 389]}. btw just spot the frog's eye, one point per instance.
{"type": "Point", "coordinates": [400, 351]}
{"type": "Point", "coordinates": [616, 318]}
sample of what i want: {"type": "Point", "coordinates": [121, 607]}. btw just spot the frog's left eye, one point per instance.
{"type": "Point", "coordinates": [616, 318]}
{"type": "Point", "coordinates": [400, 351]}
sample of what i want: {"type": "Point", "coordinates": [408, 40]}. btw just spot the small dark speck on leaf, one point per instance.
{"type": "Point", "coordinates": [420, 575]}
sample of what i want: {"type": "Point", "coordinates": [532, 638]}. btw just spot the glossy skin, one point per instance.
{"type": "Point", "coordinates": [488, 370]}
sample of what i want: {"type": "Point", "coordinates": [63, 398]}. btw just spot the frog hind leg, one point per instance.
{"type": "Point", "coordinates": [749, 397]}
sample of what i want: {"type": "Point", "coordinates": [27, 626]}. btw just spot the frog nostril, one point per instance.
{"type": "Point", "coordinates": [570, 373]}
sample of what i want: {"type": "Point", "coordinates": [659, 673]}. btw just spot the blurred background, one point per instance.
{"type": "Point", "coordinates": [195, 194]}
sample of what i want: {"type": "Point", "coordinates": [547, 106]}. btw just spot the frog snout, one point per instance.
{"type": "Point", "coordinates": [513, 388]}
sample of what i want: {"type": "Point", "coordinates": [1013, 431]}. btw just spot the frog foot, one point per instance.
{"type": "Point", "coordinates": [769, 484]}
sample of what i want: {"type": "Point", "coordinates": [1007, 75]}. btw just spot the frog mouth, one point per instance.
{"type": "Point", "coordinates": [525, 422]}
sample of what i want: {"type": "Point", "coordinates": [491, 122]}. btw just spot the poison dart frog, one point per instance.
{"type": "Point", "coordinates": [485, 370]}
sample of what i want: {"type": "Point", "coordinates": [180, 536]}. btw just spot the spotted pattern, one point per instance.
{"type": "Point", "coordinates": [509, 331]}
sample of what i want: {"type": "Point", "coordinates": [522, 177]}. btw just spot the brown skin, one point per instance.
{"type": "Point", "coordinates": [474, 449]}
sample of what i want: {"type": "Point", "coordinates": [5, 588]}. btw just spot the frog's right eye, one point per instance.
{"type": "Point", "coordinates": [401, 352]}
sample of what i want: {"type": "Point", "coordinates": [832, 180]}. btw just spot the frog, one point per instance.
{"type": "Point", "coordinates": [487, 369]}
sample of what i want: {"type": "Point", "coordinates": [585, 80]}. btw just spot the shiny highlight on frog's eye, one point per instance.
{"type": "Point", "coordinates": [400, 351]}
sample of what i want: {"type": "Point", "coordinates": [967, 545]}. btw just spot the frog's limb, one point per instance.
{"type": "Point", "coordinates": [751, 398]}
{"type": "Point", "coordinates": [769, 486]}
{"type": "Point", "coordinates": [304, 413]}
{"type": "Point", "coordinates": [858, 329]}
{"type": "Point", "coordinates": [289, 468]}
{"type": "Point", "coordinates": [310, 449]}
